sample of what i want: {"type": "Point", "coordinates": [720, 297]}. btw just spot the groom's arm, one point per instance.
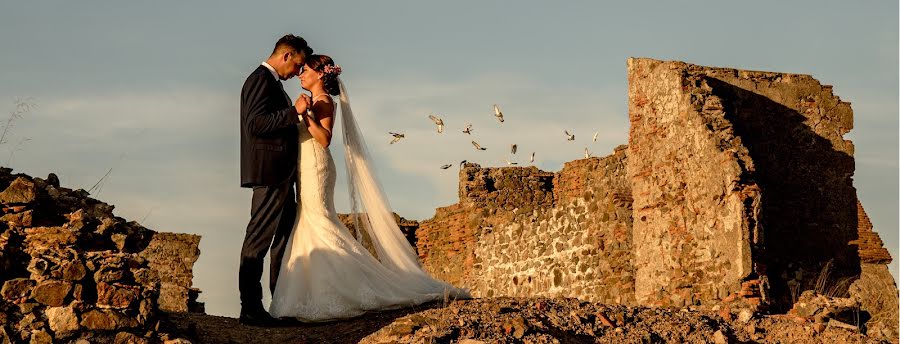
{"type": "Point", "coordinates": [257, 94]}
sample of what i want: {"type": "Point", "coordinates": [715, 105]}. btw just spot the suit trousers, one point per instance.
{"type": "Point", "coordinates": [272, 214]}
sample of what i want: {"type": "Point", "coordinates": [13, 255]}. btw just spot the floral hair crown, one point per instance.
{"type": "Point", "coordinates": [332, 69]}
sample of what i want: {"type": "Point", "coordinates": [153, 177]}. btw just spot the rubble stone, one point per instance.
{"type": "Point", "coordinates": [15, 289]}
{"type": "Point", "coordinates": [63, 320]}
{"type": "Point", "coordinates": [40, 337]}
{"type": "Point", "coordinates": [21, 191]}
{"type": "Point", "coordinates": [65, 279]}
{"type": "Point", "coordinates": [51, 293]}
{"type": "Point", "coordinates": [116, 295]}
{"type": "Point", "coordinates": [129, 338]}
{"type": "Point", "coordinates": [107, 320]}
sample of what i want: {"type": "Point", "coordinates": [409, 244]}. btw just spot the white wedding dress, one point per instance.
{"type": "Point", "coordinates": [326, 273]}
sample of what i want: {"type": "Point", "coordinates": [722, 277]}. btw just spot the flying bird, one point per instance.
{"type": "Point", "coordinates": [444, 167]}
{"type": "Point", "coordinates": [532, 157]}
{"type": "Point", "coordinates": [570, 137]}
{"type": "Point", "coordinates": [477, 146]}
{"type": "Point", "coordinates": [595, 135]}
{"type": "Point", "coordinates": [437, 121]}
{"type": "Point", "coordinates": [587, 154]}
{"type": "Point", "coordinates": [497, 113]}
{"type": "Point", "coordinates": [510, 162]}
{"type": "Point", "coordinates": [468, 129]}
{"type": "Point", "coordinates": [397, 137]}
{"type": "Point", "coordinates": [513, 148]}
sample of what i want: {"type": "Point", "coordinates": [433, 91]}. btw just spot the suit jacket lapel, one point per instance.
{"type": "Point", "coordinates": [278, 82]}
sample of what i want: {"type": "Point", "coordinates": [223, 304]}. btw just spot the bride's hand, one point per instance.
{"type": "Point", "coordinates": [303, 102]}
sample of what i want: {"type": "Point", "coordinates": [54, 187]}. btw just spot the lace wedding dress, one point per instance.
{"type": "Point", "coordinates": [327, 273]}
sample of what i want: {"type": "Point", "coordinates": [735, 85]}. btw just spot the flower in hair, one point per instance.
{"type": "Point", "coordinates": [332, 69]}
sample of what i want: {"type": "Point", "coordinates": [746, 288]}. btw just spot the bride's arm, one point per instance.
{"type": "Point", "coordinates": [320, 127]}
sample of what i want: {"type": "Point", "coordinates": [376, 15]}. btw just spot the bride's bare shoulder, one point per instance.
{"type": "Point", "coordinates": [323, 105]}
{"type": "Point", "coordinates": [323, 97]}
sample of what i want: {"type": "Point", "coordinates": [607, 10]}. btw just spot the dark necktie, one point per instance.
{"type": "Point", "coordinates": [286, 97]}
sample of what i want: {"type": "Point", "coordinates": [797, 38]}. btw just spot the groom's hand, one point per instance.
{"type": "Point", "coordinates": [302, 104]}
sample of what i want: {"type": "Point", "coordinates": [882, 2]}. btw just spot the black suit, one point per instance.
{"type": "Point", "coordinates": [268, 131]}
{"type": "Point", "coordinates": [268, 165]}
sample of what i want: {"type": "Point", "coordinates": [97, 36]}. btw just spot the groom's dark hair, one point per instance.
{"type": "Point", "coordinates": [295, 43]}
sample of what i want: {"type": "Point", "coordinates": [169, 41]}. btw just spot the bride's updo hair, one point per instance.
{"type": "Point", "coordinates": [324, 64]}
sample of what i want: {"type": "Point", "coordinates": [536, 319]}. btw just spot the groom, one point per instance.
{"type": "Point", "coordinates": [269, 166]}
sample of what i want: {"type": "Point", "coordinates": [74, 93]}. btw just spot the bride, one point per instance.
{"type": "Point", "coordinates": [327, 273]}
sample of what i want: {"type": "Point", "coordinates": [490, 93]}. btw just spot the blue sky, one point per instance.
{"type": "Point", "coordinates": [151, 91]}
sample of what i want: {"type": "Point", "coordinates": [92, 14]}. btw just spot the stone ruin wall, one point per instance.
{"type": "Point", "coordinates": [688, 174]}
{"type": "Point", "coordinates": [737, 187]}
{"type": "Point", "coordinates": [488, 197]}
{"type": "Point", "coordinates": [525, 232]}
{"type": "Point", "coordinates": [172, 256]}
{"type": "Point", "coordinates": [70, 269]}
{"type": "Point", "coordinates": [792, 127]}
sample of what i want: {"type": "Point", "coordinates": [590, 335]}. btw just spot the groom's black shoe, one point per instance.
{"type": "Point", "coordinates": [258, 317]}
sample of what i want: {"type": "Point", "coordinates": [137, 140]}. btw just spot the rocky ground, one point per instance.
{"type": "Point", "coordinates": [526, 320]}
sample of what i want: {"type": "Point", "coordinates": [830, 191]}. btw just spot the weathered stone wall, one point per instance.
{"type": "Point", "coordinates": [694, 206]}
{"type": "Point", "coordinates": [505, 189]}
{"type": "Point", "coordinates": [793, 127]}
{"type": "Point", "coordinates": [752, 162]}
{"type": "Point", "coordinates": [171, 256]}
{"type": "Point", "coordinates": [70, 269]}
{"type": "Point", "coordinates": [488, 197]}
{"type": "Point", "coordinates": [446, 243]}
{"type": "Point", "coordinates": [522, 231]}
{"type": "Point", "coordinates": [580, 247]}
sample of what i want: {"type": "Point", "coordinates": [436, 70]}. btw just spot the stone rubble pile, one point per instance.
{"type": "Point", "coordinates": [71, 271]}
{"type": "Point", "coordinates": [541, 320]}
{"type": "Point", "coordinates": [825, 311]}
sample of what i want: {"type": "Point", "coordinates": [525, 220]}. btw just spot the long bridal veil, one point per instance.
{"type": "Point", "coordinates": [370, 209]}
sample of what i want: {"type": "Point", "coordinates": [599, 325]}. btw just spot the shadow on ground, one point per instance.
{"type": "Point", "coordinates": [202, 328]}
